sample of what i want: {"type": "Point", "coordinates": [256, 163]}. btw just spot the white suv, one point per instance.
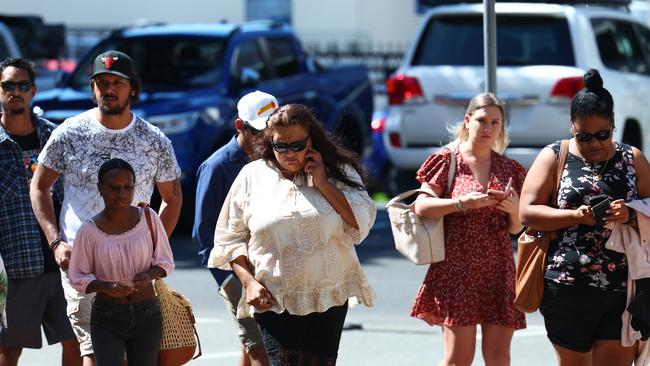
{"type": "Point", "coordinates": [542, 52]}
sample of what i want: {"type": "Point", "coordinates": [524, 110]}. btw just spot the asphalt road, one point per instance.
{"type": "Point", "coordinates": [380, 336]}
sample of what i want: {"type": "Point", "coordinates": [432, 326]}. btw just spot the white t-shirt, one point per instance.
{"type": "Point", "coordinates": [81, 144]}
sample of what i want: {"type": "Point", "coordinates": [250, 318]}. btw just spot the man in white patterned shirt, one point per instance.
{"type": "Point", "coordinates": [78, 148]}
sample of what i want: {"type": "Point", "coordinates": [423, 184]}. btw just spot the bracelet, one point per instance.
{"type": "Point", "coordinates": [459, 206]}
{"type": "Point", "coordinates": [631, 216]}
{"type": "Point", "coordinates": [55, 243]}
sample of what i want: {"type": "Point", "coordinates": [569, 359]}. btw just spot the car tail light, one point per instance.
{"type": "Point", "coordinates": [566, 88]}
{"type": "Point", "coordinates": [377, 125]}
{"type": "Point", "coordinates": [403, 89]}
{"type": "Point", "coordinates": [394, 139]}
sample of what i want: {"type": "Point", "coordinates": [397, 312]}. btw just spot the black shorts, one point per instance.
{"type": "Point", "coordinates": [576, 316]}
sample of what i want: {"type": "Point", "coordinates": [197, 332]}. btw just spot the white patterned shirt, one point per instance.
{"type": "Point", "coordinates": [81, 144]}
{"type": "Point", "coordinates": [300, 247]}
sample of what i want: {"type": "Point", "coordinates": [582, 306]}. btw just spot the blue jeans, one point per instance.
{"type": "Point", "coordinates": [134, 328]}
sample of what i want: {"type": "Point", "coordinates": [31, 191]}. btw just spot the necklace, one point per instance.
{"type": "Point", "coordinates": [599, 175]}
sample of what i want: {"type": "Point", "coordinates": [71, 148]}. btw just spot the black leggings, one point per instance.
{"type": "Point", "coordinates": [312, 339]}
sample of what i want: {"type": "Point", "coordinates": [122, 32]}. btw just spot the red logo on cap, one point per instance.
{"type": "Point", "coordinates": [108, 61]}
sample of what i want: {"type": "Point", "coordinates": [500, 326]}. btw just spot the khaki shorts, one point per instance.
{"type": "Point", "coordinates": [247, 329]}
{"type": "Point", "coordinates": [79, 307]}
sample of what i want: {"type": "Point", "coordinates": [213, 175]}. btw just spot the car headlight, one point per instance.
{"type": "Point", "coordinates": [175, 123]}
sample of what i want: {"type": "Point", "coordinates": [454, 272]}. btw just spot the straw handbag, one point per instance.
{"type": "Point", "coordinates": [420, 239]}
{"type": "Point", "coordinates": [532, 249]}
{"type": "Point", "coordinates": [179, 336]}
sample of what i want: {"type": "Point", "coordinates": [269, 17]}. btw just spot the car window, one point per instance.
{"type": "Point", "coordinates": [164, 63]}
{"type": "Point", "coordinates": [619, 46]}
{"type": "Point", "coordinates": [282, 56]}
{"type": "Point", "coordinates": [457, 40]}
{"type": "Point", "coordinates": [248, 55]}
{"type": "Point", "coordinates": [644, 40]}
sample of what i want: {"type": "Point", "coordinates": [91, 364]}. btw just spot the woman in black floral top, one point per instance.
{"type": "Point", "coordinates": [585, 283]}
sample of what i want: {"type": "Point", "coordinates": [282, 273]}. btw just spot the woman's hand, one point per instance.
{"type": "Point", "coordinates": [141, 280]}
{"type": "Point", "coordinates": [476, 200]}
{"type": "Point", "coordinates": [510, 202]}
{"type": "Point", "coordinates": [585, 216]}
{"type": "Point", "coordinates": [314, 166]}
{"type": "Point", "coordinates": [118, 289]}
{"type": "Point", "coordinates": [258, 296]}
{"type": "Point", "coordinates": [618, 212]}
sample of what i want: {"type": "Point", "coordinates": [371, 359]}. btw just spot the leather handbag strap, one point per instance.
{"type": "Point", "coordinates": [559, 169]}
{"type": "Point", "coordinates": [147, 215]}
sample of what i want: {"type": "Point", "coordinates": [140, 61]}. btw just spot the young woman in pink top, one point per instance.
{"type": "Point", "coordinates": [114, 256]}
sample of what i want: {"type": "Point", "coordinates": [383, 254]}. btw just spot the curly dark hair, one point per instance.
{"type": "Point", "coordinates": [20, 63]}
{"type": "Point", "coordinates": [334, 155]}
{"type": "Point", "coordinates": [593, 99]}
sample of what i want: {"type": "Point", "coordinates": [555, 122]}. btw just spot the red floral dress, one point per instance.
{"type": "Point", "coordinates": [475, 283]}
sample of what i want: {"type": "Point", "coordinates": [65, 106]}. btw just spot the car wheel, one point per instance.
{"type": "Point", "coordinates": [632, 134]}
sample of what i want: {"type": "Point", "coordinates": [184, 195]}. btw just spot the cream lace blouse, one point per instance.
{"type": "Point", "coordinates": [299, 246]}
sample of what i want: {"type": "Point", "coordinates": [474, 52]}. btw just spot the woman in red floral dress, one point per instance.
{"type": "Point", "coordinates": [475, 284]}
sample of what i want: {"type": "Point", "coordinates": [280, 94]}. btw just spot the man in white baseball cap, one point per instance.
{"type": "Point", "coordinates": [214, 178]}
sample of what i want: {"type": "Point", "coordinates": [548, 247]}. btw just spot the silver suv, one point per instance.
{"type": "Point", "coordinates": [542, 52]}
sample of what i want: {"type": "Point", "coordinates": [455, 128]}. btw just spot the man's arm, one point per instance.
{"type": "Point", "coordinates": [170, 207]}
{"type": "Point", "coordinates": [39, 193]}
{"type": "Point", "coordinates": [42, 204]}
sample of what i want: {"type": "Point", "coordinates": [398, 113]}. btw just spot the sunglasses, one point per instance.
{"type": "Point", "coordinates": [295, 146]}
{"type": "Point", "coordinates": [254, 131]}
{"type": "Point", "coordinates": [601, 135]}
{"type": "Point", "coordinates": [9, 86]}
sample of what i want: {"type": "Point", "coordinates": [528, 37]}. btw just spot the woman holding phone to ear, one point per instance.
{"type": "Point", "coordinates": [585, 283]}
{"type": "Point", "coordinates": [298, 238]}
{"type": "Point", "coordinates": [475, 284]}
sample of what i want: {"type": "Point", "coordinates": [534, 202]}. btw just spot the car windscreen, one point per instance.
{"type": "Point", "coordinates": [163, 63]}
{"type": "Point", "coordinates": [457, 40]}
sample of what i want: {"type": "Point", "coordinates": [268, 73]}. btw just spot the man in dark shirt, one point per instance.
{"type": "Point", "coordinates": [215, 176]}
{"type": "Point", "coordinates": [35, 297]}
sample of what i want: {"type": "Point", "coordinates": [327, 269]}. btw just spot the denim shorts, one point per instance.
{"type": "Point", "coordinates": [576, 316]}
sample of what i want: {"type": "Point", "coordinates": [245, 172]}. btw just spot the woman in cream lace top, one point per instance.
{"type": "Point", "coordinates": [288, 229]}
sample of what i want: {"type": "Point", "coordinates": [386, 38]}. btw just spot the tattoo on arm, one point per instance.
{"type": "Point", "coordinates": [177, 188]}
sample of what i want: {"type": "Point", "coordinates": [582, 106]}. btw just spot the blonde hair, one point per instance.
{"type": "Point", "coordinates": [460, 134]}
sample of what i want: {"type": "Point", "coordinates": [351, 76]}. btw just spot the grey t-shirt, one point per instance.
{"type": "Point", "coordinates": [81, 144]}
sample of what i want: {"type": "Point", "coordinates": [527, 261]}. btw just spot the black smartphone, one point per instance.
{"type": "Point", "coordinates": [599, 205]}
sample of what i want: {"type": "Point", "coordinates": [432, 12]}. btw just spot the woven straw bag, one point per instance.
{"type": "Point", "coordinates": [179, 336]}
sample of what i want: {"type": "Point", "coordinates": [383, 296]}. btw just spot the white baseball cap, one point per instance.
{"type": "Point", "coordinates": [256, 107]}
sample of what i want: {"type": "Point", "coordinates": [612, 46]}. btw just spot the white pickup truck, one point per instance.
{"type": "Point", "coordinates": [542, 52]}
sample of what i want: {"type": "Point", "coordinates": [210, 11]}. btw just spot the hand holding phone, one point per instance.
{"type": "Point", "coordinates": [501, 195]}
{"type": "Point", "coordinates": [599, 205]}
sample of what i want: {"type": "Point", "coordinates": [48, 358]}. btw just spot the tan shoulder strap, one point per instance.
{"type": "Point", "coordinates": [147, 215]}
{"type": "Point", "coordinates": [559, 169]}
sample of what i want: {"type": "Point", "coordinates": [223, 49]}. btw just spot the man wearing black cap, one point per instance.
{"type": "Point", "coordinates": [78, 148]}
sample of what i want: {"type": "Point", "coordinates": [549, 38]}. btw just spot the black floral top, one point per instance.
{"type": "Point", "coordinates": [579, 256]}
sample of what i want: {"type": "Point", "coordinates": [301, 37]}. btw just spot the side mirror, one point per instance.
{"type": "Point", "coordinates": [249, 78]}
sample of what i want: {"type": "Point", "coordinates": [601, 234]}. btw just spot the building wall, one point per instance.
{"type": "Point", "coordinates": [376, 22]}
{"type": "Point", "coordinates": [120, 13]}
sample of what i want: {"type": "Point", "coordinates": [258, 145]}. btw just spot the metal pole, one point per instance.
{"type": "Point", "coordinates": [490, 46]}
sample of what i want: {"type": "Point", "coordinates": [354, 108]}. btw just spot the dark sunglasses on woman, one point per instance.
{"type": "Point", "coordinates": [295, 146]}
{"type": "Point", "coordinates": [601, 135]}
{"type": "Point", "coordinates": [9, 86]}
